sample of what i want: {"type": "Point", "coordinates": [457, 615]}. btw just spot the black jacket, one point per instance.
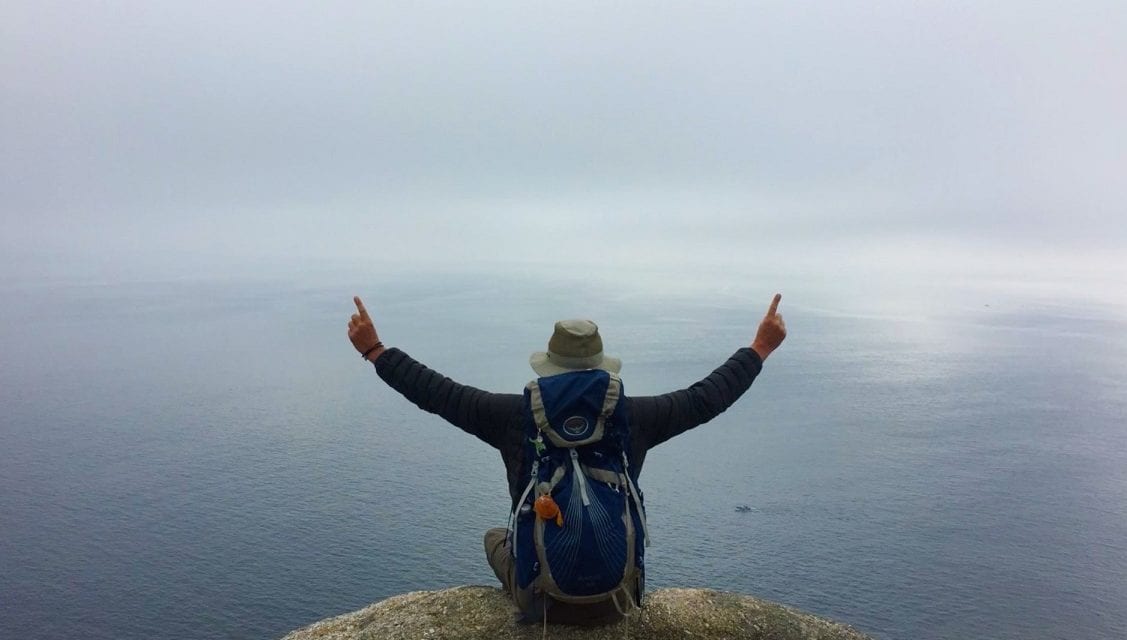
{"type": "Point", "coordinates": [496, 417]}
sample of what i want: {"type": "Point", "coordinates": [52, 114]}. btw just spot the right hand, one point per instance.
{"type": "Point", "coordinates": [362, 332]}
{"type": "Point", "coordinates": [772, 330]}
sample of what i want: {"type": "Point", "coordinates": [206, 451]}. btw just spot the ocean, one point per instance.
{"type": "Point", "coordinates": [209, 458]}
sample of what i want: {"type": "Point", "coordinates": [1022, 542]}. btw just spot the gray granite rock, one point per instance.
{"type": "Point", "coordinates": [486, 613]}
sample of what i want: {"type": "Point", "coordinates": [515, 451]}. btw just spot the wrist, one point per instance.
{"type": "Point", "coordinates": [761, 349]}
{"type": "Point", "coordinates": [374, 352]}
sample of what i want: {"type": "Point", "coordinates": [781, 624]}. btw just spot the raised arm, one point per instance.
{"type": "Point", "coordinates": [659, 418]}
{"type": "Point", "coordinates": [479, 413]}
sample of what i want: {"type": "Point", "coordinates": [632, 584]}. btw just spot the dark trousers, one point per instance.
{"type": "Point", "coordinates": [500, 556]}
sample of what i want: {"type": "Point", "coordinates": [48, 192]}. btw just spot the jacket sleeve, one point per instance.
{"type": "Point", "coordinates": [659, 418]}
{"type": "Point", "coordinates": [479, 413]}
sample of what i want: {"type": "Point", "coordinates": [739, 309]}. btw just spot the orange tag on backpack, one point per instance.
{"type": "Point", "coordinates": [546, 508]}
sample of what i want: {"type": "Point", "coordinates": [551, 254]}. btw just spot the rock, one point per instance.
{"type": "Point", "coordinates": [487, 613]}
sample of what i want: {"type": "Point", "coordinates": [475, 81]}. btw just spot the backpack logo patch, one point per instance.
{"type": "Point", "coordinates": [576, 426]}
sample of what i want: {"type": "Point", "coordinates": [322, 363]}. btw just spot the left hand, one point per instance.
{"type": "Point", "coordinates": [362, 332]}
{"type": "Point", "coordinates": [772, 330]}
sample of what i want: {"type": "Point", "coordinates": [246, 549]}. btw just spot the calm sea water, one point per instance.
{"type": "Point", "coordinates": [212, 460]}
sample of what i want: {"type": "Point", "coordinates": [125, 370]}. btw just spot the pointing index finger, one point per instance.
{"type": "Point", "coordinates": [360, 307]}
{"type": "Point", "coordinates": [775, 304]}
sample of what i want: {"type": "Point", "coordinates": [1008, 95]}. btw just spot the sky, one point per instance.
{"type": "Point", "coordinates": [180, 137]}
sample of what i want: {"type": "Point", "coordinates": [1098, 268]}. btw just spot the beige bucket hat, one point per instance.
{"type": "Point", "coordinates": [575, 345]}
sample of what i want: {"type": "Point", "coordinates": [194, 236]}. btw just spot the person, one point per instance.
{"type": "Point", "coordinates": [495, 418]}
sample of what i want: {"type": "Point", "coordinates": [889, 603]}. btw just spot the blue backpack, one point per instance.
{"type": "Point", "coordinates": [580, 542]}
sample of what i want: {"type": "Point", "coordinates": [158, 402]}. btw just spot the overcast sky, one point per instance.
{"type": "Point", "coordinates": [141, 132]}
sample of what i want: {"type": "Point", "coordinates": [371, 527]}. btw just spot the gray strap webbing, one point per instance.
{"type": "Point", "coordinates": [603, 475]}
{"type": "Point", "coordinates": [523, 497]}
{"type": "Point", "coordinates": [539, 413]}
{"type": "Point", "coordinates": [614, 392]}
{"type": "Point", "coordinates": [637, 499]}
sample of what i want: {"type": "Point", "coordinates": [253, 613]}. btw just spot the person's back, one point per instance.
{"type": "Point", "coordinates": [513, 423]}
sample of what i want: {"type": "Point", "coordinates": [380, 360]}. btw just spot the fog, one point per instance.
{"type": "Point", "coordinates": [168, 140]}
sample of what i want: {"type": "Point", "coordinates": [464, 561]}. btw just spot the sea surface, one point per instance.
{"type": "Point", "coordinates": [205, 459]}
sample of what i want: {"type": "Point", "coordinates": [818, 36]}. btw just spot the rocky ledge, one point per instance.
{"type": "Point", "coordinates": [486, 613]}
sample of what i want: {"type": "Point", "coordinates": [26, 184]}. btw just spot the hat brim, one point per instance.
{"type": "Point", "coordinates": [542, 364]}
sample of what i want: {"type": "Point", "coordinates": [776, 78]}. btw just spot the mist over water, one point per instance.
{"type": "Point", "coordinates": [926, 457]}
